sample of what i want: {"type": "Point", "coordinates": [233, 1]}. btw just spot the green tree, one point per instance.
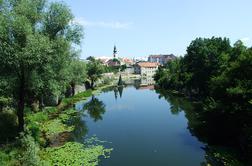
{"type": "Point", "coordinates": [170, 76]}
{"type": "Point", "coordinates": [234, 85]}
{"type": "Point", "coordinates": [94, 70]}
{"type": "Point", "coordinates": [202, 61]}
{"type": "Point", "coordinates": [77, 73]}
{"type": "Point", "coordinates": [35, 44]}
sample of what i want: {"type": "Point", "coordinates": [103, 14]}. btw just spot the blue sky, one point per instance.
{"type": "Point", "coordinates": [143, 27]}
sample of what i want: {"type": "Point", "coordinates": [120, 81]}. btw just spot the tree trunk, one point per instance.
{"type": "Point", "coordinates": [57, 99]}
{"type": "Point", "coordinates": [41, 103]}
{"type": "Point", "coordinates": [73, 88]}
{"type": "Point", "coordinates": [21, 102]}
{"type": "Point", "coordinates": [92, 84]}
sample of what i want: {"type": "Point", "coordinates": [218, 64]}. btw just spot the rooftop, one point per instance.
{"type": "Point", "coordinates": [148, 64]}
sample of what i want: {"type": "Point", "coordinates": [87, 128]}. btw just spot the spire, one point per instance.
{"type": "Point", "coordinates": [115, 52]}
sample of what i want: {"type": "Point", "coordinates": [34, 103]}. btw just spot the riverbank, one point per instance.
{"type": "Point", "coordinates": [47, 138]}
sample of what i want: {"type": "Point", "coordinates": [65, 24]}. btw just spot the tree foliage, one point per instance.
{"type": "Point", "coordinates": [94, 70]}
{"type": "Point", "coordinates": [213, 70]}
{"type": "Point", "coordinates": [35, 49]}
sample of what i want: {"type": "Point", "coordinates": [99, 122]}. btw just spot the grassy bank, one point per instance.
{"type": "Point", "coordinates": [47, 138]}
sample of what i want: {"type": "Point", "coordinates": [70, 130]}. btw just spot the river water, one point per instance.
{"type": "Point", "coordinates": [142, 127]}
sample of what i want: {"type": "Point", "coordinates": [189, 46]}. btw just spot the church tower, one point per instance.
{"type": "Point", "coordinates": [115, 52]}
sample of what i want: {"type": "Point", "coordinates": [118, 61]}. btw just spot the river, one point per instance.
{"type": "Point", "coordinates": [147, 128]}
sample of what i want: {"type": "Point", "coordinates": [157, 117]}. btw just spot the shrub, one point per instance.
{"type": "Point", "coordinates": [29, 155]}
{"type": "Point", "coordinates": [37, 117]}
{"type": "Point", "coordinates": [4, 158]}
{"type": "Point", "coordinates": [34, 122]}
{"type": "Point", "coordinates": [8, 125]}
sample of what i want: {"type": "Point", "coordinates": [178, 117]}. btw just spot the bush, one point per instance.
{"type": "Point", "coordinates": [8, 125]}
{"type": "Point", "coordinates": [37, 117]}
{"type": "Point", "coordinates": [29, 155]}
{"type": "Point", "coordinates": [4, 158]}
{"type": "Point", "coordinates": [5, 101]}
{"type": "Point", "coordinates": [34, 122]}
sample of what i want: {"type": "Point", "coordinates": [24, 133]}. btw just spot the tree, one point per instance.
{"type": "Point", "coordinates": [215, 71]}
{"type": "Point", "coordinates": [234, 85]}
{"type": "Point", "coordinates": [34, 49]}
{"type": "Point", "coordinates": [94, 71]}
{"type": "Point", "coordinates": [202, 61]}
{"type": "Point", "coordinates": [77, 73]}
{"type": "Point", "coordinates": [170, 76]}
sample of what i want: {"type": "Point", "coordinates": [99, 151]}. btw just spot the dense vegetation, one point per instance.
{"type": "Point", "coordinates": [36, 50]}
{"type": "Point", "coordinates": [218, 75]}
{"type": "Point", "coordinates": [40, 67]}
{"type": "Point", "coordinates": [212, 69]}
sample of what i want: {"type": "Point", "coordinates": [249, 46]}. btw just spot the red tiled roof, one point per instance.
{"type": "Point", "coordinates": [148, 64]}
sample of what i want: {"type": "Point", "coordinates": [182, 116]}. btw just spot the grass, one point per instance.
{"type": "Point", "coordinates": [72, 100]}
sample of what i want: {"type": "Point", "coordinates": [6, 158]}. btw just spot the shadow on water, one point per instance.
{"type": "Point", "coordinates": [225, 134]}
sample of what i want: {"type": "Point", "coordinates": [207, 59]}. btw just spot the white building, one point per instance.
{"type": "Point", "coordinates": [146, 69]}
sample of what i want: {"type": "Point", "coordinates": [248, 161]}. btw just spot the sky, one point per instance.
{"type": "Point", "coordinates": [142, 27]}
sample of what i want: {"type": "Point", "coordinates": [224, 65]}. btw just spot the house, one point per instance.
{"type": "Point", "coordinates": [126, 61]}
{"type": "Point", "coordinates": [114, 62]}
{"type": "Point", "coordinates": [129, 70]}
{"type": "Point", "coordinates": [162, 59]}
{"type": "Point", "coordinates": [147, 69]}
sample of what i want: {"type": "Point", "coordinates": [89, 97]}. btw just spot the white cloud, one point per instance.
{"type": "Point", "coordinates": [103, 24]}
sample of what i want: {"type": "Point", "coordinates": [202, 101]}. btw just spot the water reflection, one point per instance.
{"type": "Point", "coordinates": [118, 90]}
{"type": "Point", "coordinates": [224, 134]}
{"type": "Point", "coordinates": [177, 104]}
{"type": "Point", "coordinates": [81, 129]}
{"type": "Point", "coordinates": [95, 108]}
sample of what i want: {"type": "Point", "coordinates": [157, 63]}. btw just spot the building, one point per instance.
{"type": "Point", "coordinates": [146, 69]}
{"type": "Point", "coordinates": [126, 61]}
{"type": "Point", "coordinates": [129, 70]}
{"type": "Point", "coordinates": [162, 59]}
{"type": "Point", "coordinates": [140, 59]}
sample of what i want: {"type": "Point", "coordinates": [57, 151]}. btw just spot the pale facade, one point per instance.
{"type": "Point", "coordinates": [146, 69]}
